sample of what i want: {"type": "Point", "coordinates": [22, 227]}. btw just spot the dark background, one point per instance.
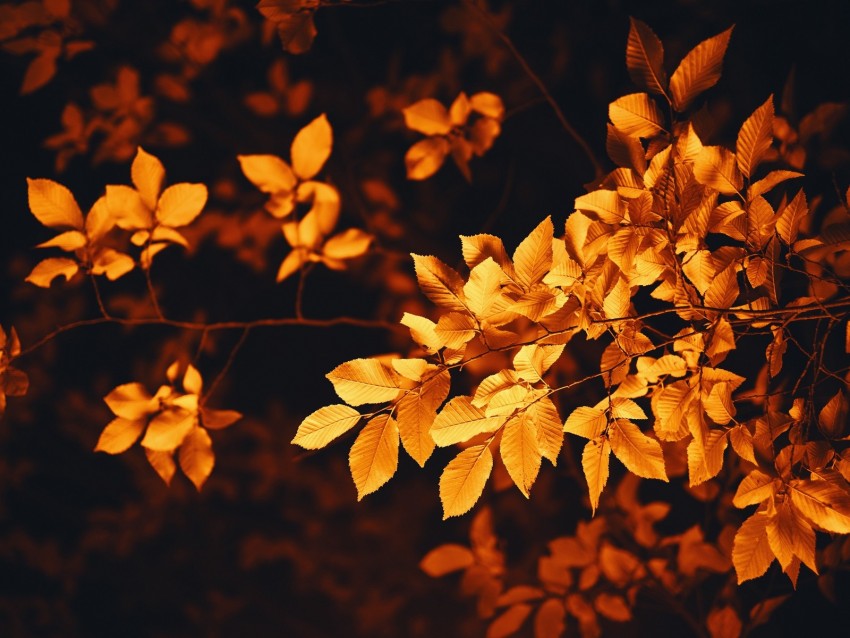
{"type": "Point", "coordinates": [277, 544]}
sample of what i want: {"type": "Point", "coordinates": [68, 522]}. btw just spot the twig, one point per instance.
{"type": "Point", "coordinates": [230, 359]}
{"type": "Point", "coordinates": [571, 131]}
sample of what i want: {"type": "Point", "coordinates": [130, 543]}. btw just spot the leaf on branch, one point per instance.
{"type": "Point", "coordinates": [640, 454]}
{"type": "Point", "coordinates": [699, 70]}
{"type": "Point", "coordinates": [446, 559]}
{"type": "Point", "coordinates": [521, 452]}
{"type": "Point", "coordinates": [464, 478]}
{"type": "Point", "coordinates": [533, 257]}
{"type": "Point", "coordinates": [595, 463]}
{"type": "Point", "coordinates": [751, 553]}
{"type": "Point", "coordinates": [645, 58]}
{"type": "Point", "coordinates": [119, 435]}
{"type": "Point", "coordinates": [823, 502]}
{"type": "Point", "coordinates": [373, 459]}
{"type": "Point", "coordinates": [362, 381]}
{"type": "Point", "coordinates": [717, 167]}
{"type": "Point", "coordinates": [48, 269]}
{"type": "Point", "coordinates": [147, 174]}
{"type": "Point", "coordinates": [428, 116]}
{"type": "Point", "coordinates": [196, 457]}
{"type": "Point", "coordinates": [53, 205]}
{"type": "Point", "coordinates": [425, 158]}
{"type": "Point", "coordinates": [755, 138]}
{"type": "Point", "coordinates": [311, 148]}
{"type": "Point", "coordinates": [550, 431]}
{"type": "Point", "coordinates": [460, 420]}
{"type": "Point", "coordinates": [587, 422]}
{"type": "Point", "coordinates": [180, 204]}
{"type": "Point", "coordinates": [417, 411]}
{"type": "Point", "coordinates": [788, 222]}
{"type": "Point", "coordinates": [636, 115]}
{"type": "Point", "coordinates": [440, 283]}
{"type": "Point", "coordinates": [324, 425]}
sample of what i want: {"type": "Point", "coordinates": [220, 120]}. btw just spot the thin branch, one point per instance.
{"type": "Point", "coordinates": [569, 128]}
{"type": "Point", "coordinates": [227, 364]}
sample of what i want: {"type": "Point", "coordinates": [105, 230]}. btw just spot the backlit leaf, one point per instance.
{"type": "Point", "coordinates": [119, 435]}
{"type": "Point", "coordinates": [705, 459]}
{"type": "Point", "coordinates": [755, 138]}
{"type": "Point", "coordinates": [196, 456]}
{"type": "Point", "coordinates": [788, 223]}
{"type": "Point", "coordinates": [167, 430]}
{"type": "Point", "coordinates": [460, 420]}
{"type": "Point", "coordinates": [147, 173]}
{"type": "Point", "coordinates": [751, 554]}
{"type": "Point", "coordinates": [824, 503]}
{"type": "Point", "coordinates": [427, 116]}
{"type": "Point", "coordinates": [312, 147]}
{"type": "Point", "coordinates": [464, 478]}
{"type": "Point", "coordinates": [639, 453]}
{"type": "Point", "coordinates": [53, 205]}
{"type": "Point", "coordinates": [269, 173]}
{"type": "Point", "coordinates": [521, 452]}
{"type": "Point", "coordinates": [755, 488]}
{"type": "Point", "coordinates": [716, 167]}
{"type": "Point", "coordinates": [645, 58]}
{"type": "Point", "coordinates": [417, 411]}
{"type": "Point", "coordinates": [440, 283]}
{"type": "Point", "coordinates": [48, 269]}
{"type": "Point", "coordinates": [586, 422]}
{"type": "Point", "coordinates": [699, 70]}
{"type": "Point", "coordinates": [595, 462]}
{"type": "Point", "coordinates": [163, 463]}
{"type": "Point", "coordinates": [362, 381]}
{"type": "Point", "coordinates": [324, 425]}
{"type": "Point", "coordinates": [425, 158]}
{"type": "Point", "coordinates": [636, 115]}
{"type": "Point", "coordinates": [533, 257]}
{"type": "Point", "coordinates": [550, 431]}
{"type": "Point", "coordinates": [373, 459]}
{"type": "Point", "coordinates": [180, 204]}
{"type": "Point", "coordinates": [131, 401]}
{"type": "Point", "coordinates": [510, 621]}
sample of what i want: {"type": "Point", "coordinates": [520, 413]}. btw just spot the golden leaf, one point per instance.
{"type": "Point", "coordinates": [373, 459]}
{"type": "Point", "coordinates": [769, 182]}
{"type": "Point", "coordinates": [311, 147]}
{"type": "Point", "coordinates": [119, 435]}
{"type": "Point", "coordinates": [53, 205]}
{"type": "Point", "coordinates": [127, 209]}
{"type": "Point", "coordinates": [48, 269]}
{"type": "Point", "coordinates": [147, 174]}
{"type": "Point", "coordinates": [626, 409]}
{"type": "Point", "coordinates": [348, 244]}
{"type": "Point", "coordinates": [533, 257]}
{"type": "Point", "coordinates": [131, 401]}
{"type": "Point", "coordinates": [484, 286]}
{"type": "Point", "coordinates": [218, 419]}
{"type": "Point", "coordinates": [163, 463]}
{"type": "Point", "coordinates": [167, 430]}
{"type": "Point", "coordinates": [751, 553]}
{"type": "Point", "coordinates": [639, 453]}
{"type": "Point", "coordinates": [705, 459]}
{"type": "Point", "coordinates": [536, 304]}
{"type": "Point", "coordinates": [362, 381]}
{"type": "Point", "coordinates": [625, 150]}
{"type": "Point", "coordinates": [423, 331]}
{"type": "Point", "coordinates": [717, 167]}
{"type": "Point", "coordinates": [520, 451]}
{"type": "Point", "coordinates": [636, 115]}
{"type": "Point", "coordinates": [788, 222]}
{"type": "Point", "coordinates": [440, 283]}
{"type": "Point", "coordinates": [550, 431]}
{"type": "Point", "coordinates": [460, 420]}
{"type": "Point", "coordinates": [824, 503]}
{"type": "Point", "coordinates": [742, 442]}
{"type": "Point", "coordinates": [586, 422]}
{"type": "Point", "coordinates": [790, 535]}
{"type": "Point", "coordinates": [723, 289]}
{"type": "Point", "coordinates": [68, 241]}
{"type": "Point", "coordinates": [755, 488]}
{"type": "Point", "coordinates": [618, 300]}
{"type": "Point", "coordinates": [196, 457]}
{"type": "Point", "coordinates": [269, 173]}
{"type": "Point", "coordinates": [180, 204]}
{"type": "Point", "coordinates": [324, 425]}
{"type": "Point", "coordinates": [607, 205]}
{"type": "Point", "coordinates": [699, 70]}
{"type": "Point", "coordinates": [455, 329]}
{"type": "Point", "coordinates": [671, 405]}
{"type": "Point", "coordinates": [427, 116]}
{"type": "Point", "coordinates": [477, 248]}
{"type": "Point", "coordinates": [425, 158]}
{"type": "Point", "coordinates": [718, 404]}
{"type": "Point", "coordinates": [487, 104]}
{"type": "Point", "coordinates": [412, 369]}
{"type": "Point", "coordinates": [832, 419]}
{"type": "Point", "coordinates": [417, 411]}
{"type": "Point", "coordinates": [594, 462]}
{"type": "Point", "coordinates": [446, 559]}
{"type": "Point", "coordinates": [755, 138]}
{"type": "Point", "coordinates": [723, 622]}
{"type": "Point", "coordinates": [464, 478]}
{"type": "Point", "coordinates": [645, 58]}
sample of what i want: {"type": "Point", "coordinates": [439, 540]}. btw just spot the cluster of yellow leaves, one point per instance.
{"type": "Point", "coordinates": [590, 575]}
{"type": "Point", "coordinates": [468, 127]}
{"type": "Point", "coordinates": [706, 234]}
{"type": "Point", "coordinates": [46, 29]}
{"type": "Point", "coordinates": [13, 382]}
{"type": "Point", "coordinates": [151, 213]}
{"type": "Point", "coordinates": [172, 421]}
{"type": "Point", "coordinates": [291, 186]}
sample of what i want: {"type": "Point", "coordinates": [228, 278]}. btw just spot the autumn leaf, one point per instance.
{"type": "Point", "coordinates": [638, 452]}
{"type": "Point", "coordinates": [196, 456]}
{"type": "Point", "coordinates": [755, 138]}
{"type": "Point", "coordinates": [521, 452]}
{"type": "Point", "coordinates": [464, 478]}
{"type": "Point", "coordinates": [460, 420]}
{"type": "Point", "coordinates": [374, 456]}
{"type": "Point", "coordinates": [364, 381]}
{"type": "Point", "coordinates": [594, 461]}
{"type": "Point", "coordinates": [645, 58]}
{"type": "Point", "coordinates": [427, 116]}
{"type": "Point", "coordinates": [425, 158]}
{"type": "Point", "coordinates": [53, 204]}
{"type": "Point", "coordinates": [699, 70]}
{"type": "Point", "coordinates": [311, 148]}
{"type": "Point", "coordinates": [751, 553]}
{"type": "Point", "coordinates": [636, 115]}
{"type": "Point", "coordinates": [324, 425]}
{"type": "Point", "coordinates": [119, 435]}
{"type": "Point", "coordinates": [446, 559]}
